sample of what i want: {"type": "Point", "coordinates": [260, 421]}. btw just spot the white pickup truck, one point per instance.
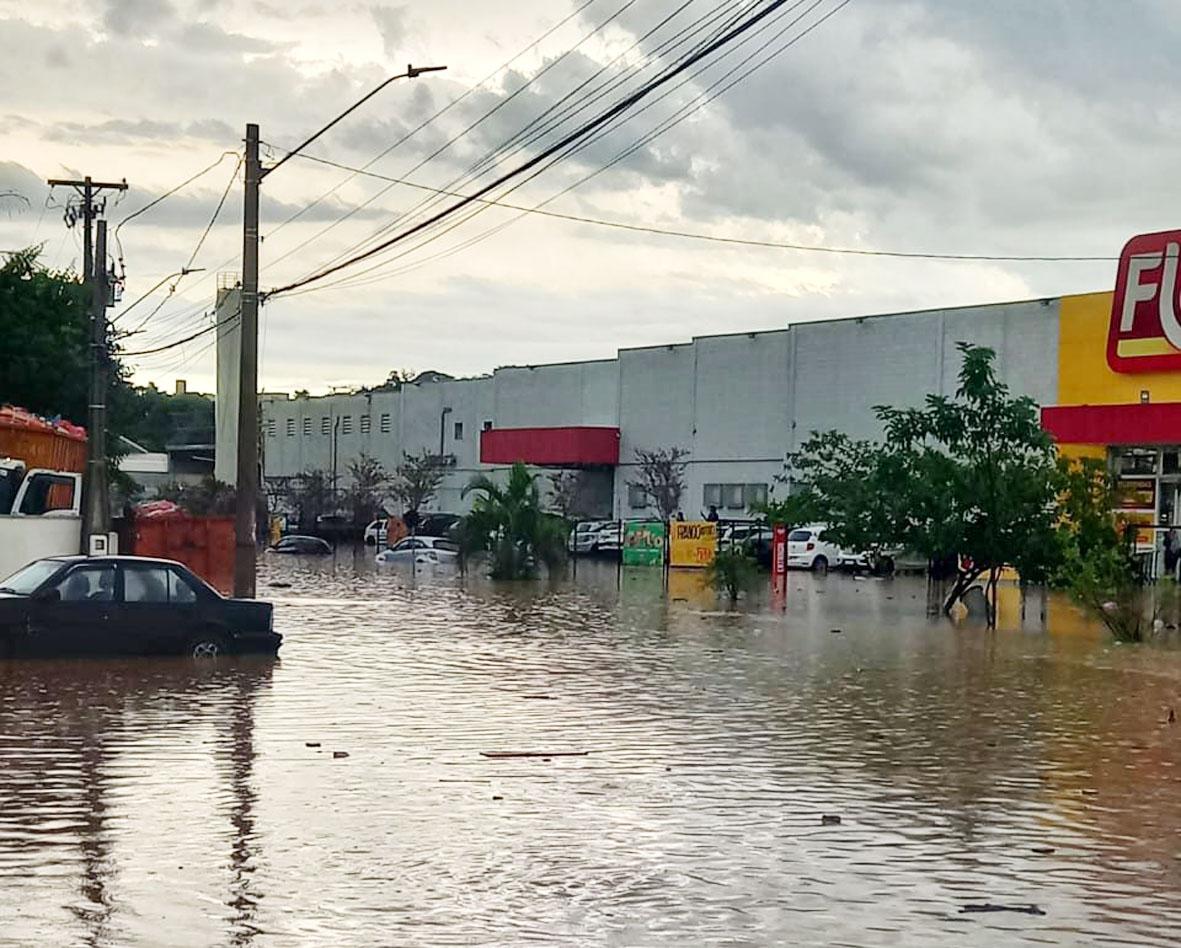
{"type": "Point", "coordinates": [40, 514]}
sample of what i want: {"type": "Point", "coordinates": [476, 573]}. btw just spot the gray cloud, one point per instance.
{"type": "Point", "coordinates": [136, 17]}
{"type": "Point", "coordinates": [391, 23]}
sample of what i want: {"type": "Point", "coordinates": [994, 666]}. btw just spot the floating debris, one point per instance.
{"type": "Point", "coordinates": [830, 819]}
{"type": "Point", "coordinates": [339, 755]}
{"type": "Point", "coordinates": [1029, 909]}
{"type": "Point", "coordinates": [505, 755]}
{"type": "Point", "coordinates": [311, 743]}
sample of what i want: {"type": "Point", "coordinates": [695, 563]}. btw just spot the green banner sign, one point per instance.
{"type": "Point", "coordinates": [643, 543]}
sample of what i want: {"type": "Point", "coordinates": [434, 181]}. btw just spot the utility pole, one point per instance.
{"type": "Point", "coordinates": [96, 500]}
{"type": "Point", "coordinates": [246, 509]}
{"type": "Point", "coordinates": [97, 512]}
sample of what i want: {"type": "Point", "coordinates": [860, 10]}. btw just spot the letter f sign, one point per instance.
{"type": "Point", "coordinates": [1144, 334]}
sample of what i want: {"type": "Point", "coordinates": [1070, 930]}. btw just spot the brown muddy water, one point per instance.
{"type": "Point", "coordinates": [170, 803]}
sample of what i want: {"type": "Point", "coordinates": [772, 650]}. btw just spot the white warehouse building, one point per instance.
{"type": "Point", "coordinates": [737, 403]}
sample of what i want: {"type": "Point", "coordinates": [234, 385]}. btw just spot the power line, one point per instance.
{"type": "Point", "coordinates": [520, 140]}
{"type": "Point", "coordinates": [574, 136]}
{"type": "Point", "coordinates": [438, 114]}
{"type": "Point", "coordinates": [456, 137]}
{"type": "Point", "coordinates": [692, 106]}
{"type": "Point", "coordinates": [715, 238]}
{"type": "Point", "coordinates": [189, 338]}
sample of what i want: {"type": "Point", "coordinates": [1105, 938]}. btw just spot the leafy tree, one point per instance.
{"type": "Point", "coordinates": [564, 493]}
{"type": "Point", "coordinates": [365, 495]}
{"type": "Point", "coordinates": [973, 474]}
{"type": "Point", "coordinates": [45, 345]}
{"type": "Point", "coordinates": [732, 572]}
{"type": "Point", "coordinates": [157, 419]}
{"type": "Point", "coordinates": [509, 523]}
{"type": "Point", "coordinates": [416, 480]}
{"type": "Point", "coordinates": [309, 496]}
{"type": "Point", "coordinates": [662, 478]}
{"type": "Point", "coordinates": [1094, 564]}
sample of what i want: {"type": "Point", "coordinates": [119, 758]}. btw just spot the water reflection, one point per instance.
{"type": "Point", "coordinates": [147, 803]}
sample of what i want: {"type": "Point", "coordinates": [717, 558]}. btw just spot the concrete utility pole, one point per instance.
{"type": "Point", "coordinates": [97, 512]}
{"type": "Point", "coordinates": [246, 510]}
{"type": "Point", "coordinates": [96, 500]}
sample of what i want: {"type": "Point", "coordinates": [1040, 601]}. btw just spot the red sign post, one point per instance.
{"type": "Point", "coordinates": [779, 564]}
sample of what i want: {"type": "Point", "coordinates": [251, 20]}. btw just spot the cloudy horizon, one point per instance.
{"type": "Point", "coordinates": [905, 125]}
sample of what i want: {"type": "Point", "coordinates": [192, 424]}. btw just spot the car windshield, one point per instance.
{"type": "Point", "coordinates": [26, 579]}
{"type": "Point", "coordinates": [799, 535]}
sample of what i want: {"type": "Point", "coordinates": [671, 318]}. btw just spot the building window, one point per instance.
{"type": "Point", "coordinates": [290, 427]}
{"type": "Point", "coordinates": [307, 426]}
{"type": "Point", "coordinates": [753, 495]}
{"type": "Point", "coordinates": [732, 496]}
{"type": "Point", "coordinates": [385, 423]}
{"type": "Point", "coordinates": [364, 424]}
{"type": "Point", "coordinates": [325, 425]}
{"type": "Point", "coordinates": [487, 424]}
{"type": "Point", "coordinates": [270, 427]}
{"type": "Point", "coordinates": [459, 431]}
{"type": "Point", "coordinates": [346, 424]}
{"type": "Point", "coordinates": [637, 497]}
{"type": "Point", "coordinates": [1137, 461]}
{"type": "Point", "coordinates": [712, 496]}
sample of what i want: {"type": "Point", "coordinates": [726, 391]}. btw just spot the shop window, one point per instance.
{"type": "Point", "coordinates": [732, 496]}
{"type": "Point", "coordinates": [1138, 462]}
{"type": "Point", "coordinates": [364, 424]}
{"type": "Point", "coordinates": [712, 495]}
{"type": "Point", "coordinates": [1169, 463]}
{"type": "Point", "coordinates": [637, 497]}
{"type": "Point", "coordinates": [385, 423]}
{"type": "Point", "coordinates": [325, 425]}
{"type": "Point", "coordinates": [290, 427]}
{"type": "Point", "coordinates": [346, 424]}
{"type": "Point", "coordinates": [459, 431]}
{"type": "Point", "coordinates": [307, 426]}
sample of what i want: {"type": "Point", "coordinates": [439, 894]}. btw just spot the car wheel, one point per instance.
{"type": "Point", "coordinates": [206, 645]}
{"type": "Point", "coordinates": [884, 566]}
{"type": "Point", "coordinates": [820, 565]}
{"type": "Point", "coordinates": [370, 541]}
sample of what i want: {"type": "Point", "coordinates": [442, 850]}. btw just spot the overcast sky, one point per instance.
{"type": "Point", "coordinates": [951, 126]}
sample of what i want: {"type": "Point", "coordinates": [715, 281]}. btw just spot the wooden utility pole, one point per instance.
{"type": "Point", "coordinates": [246, 510]}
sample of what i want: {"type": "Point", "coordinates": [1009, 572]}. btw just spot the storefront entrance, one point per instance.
{"type": "Point", "coordinates": [1149, 499]}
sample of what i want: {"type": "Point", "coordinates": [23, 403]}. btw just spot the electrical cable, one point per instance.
{"type": "Point", "coordinates": [523, 138]}
{"type": "Point", "coordinates": [577, 146]}
{"type": "Point", "coordinates": [574, 136]}
{"type": "Point", "coordinates": [181, 342]}
{"type": "Point", "coordinates": [694, 235]}
{"type": "Point", "coordinates": [668, 123]}
{"type": "Point", "coordinates": [456, 137]}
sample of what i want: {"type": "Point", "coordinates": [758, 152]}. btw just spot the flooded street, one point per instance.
{"type": "Point", "coordinates": [153, 803]}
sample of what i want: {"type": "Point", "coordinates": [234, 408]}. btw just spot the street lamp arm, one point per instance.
{"type": "Point", "coordinates": [411, 72]}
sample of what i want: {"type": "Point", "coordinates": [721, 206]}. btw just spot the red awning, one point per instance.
{"type": "Point", "coordinates": [1138, 423]}
{"type": "Point", "coordinates": [550, 447]}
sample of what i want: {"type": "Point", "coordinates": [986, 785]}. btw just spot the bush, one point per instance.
{"type": "Point", "coordinates": [732, 572]}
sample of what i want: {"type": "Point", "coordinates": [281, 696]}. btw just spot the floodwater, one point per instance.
{"type": "Point", "coordinates": [170, 803]}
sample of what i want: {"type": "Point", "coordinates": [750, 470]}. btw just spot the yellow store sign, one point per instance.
{"type": "Point", "coordinates": [692, 543]}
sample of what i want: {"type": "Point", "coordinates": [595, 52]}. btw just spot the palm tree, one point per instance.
{"type": "Point", "coordinates": [509, 523]}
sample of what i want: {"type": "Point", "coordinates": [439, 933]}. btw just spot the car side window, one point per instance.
{"type": "Point", "coordinates": [179, 590]}
{"type": "Point", "coordinates": [145, 584]}
{"type": "Point", "coordinates": [88, 584]}
{"type": "Point", "coordinates": [408, 545]}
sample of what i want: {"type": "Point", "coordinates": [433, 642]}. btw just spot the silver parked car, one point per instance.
{"type": "Point", "coordinates": [420, 550]}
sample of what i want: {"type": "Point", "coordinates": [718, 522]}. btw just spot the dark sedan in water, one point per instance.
{"type": "Point", "coordinates": [125, 605]}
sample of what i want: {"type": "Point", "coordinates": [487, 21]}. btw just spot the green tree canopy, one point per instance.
{"type": "Point", "coordinates": [508, 522]}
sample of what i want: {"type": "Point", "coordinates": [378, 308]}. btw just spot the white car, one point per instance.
{"type": "Point", "coordinates": [807, 549]}
{"type": "Point", "coordinates": [375, 533]}
{"type": "Point", "coordinates": [584, 538]}
{"type": "Point", "coordinates": [420, 550]}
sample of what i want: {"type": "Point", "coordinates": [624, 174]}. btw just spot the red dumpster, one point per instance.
{"type": "Point", "coordinates": [204, 544]}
